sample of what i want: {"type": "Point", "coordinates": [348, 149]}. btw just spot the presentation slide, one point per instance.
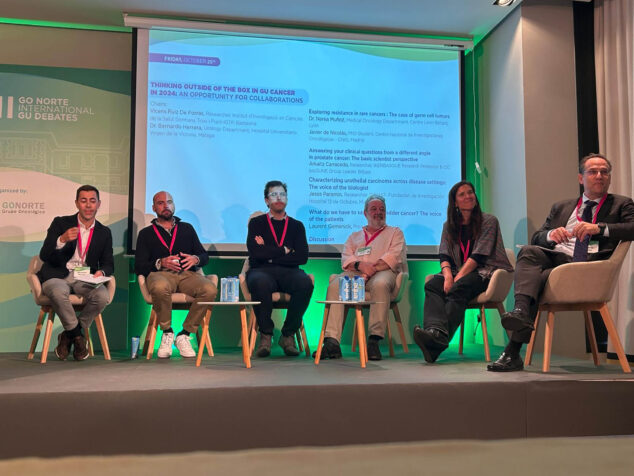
{"type": "Point", "coordinates": [336, 121]}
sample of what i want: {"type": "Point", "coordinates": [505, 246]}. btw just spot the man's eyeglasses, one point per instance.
{"type": "Point", "coordinates": [277, 195]}
{"type": "Point", "coordinates": [595, 172]}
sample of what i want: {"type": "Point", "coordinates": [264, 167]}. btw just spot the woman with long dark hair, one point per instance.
{"type": "Point", "coordinates": [471, 248]}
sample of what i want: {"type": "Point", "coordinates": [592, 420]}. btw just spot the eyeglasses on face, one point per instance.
{"type": "Point", "coordinates": [595, 172]}
{"type": "Point", "coordinates": [277, 195]}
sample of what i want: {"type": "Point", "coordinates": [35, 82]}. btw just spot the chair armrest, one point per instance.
{"type": "Point", "coordinates": [111, 286]}
{"type": "Point", "coordinates": [243, 286]}
{"type": "Point", "coordinates": [35, 285]}
{"type": "Point", "coordinates": [592, 281]}
{"type": "Point", "coordinates": [401, 283]}
{"type": "Point", "coordinates": [213, 278]}
{"type": "Point", "coordinates": [143, 287]}
{"type": "Point", "coordinates": [498, 287]}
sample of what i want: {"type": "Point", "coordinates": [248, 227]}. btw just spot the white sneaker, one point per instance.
{"type": "Point", "coordinates": [165, 349]}
{"type": "Point", "coordinates": [184, 346]}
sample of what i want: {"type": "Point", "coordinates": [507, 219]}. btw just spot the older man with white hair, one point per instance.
{"type": "Point", "coordinates": [378, 253]}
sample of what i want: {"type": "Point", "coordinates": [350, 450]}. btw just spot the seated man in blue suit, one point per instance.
{"type": "Point", "coordinates": [72, 244]}
{"type": "Point", "coordinates": [578, 229]}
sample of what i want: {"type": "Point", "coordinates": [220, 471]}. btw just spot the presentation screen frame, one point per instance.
{"type": "Point", "coordinates": [141, 26]}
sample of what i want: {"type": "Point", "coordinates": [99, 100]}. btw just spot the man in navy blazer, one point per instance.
{"type": "Point", "coordinates": [72, 244]}
{"type": "Point", "coordinates": [598, 220]}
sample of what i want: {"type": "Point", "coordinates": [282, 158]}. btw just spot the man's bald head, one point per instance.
{"type": "Point", "coordinates": [163, 205]}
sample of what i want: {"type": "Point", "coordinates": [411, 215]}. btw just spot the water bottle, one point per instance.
{"type": "Point", "coordinates": [224, 289]}
{"type": "Point", "coordinates": [358, 288]}
{"type": "Point", "coordinates": [235, 289]}
{"type": "Point", "coordinates": [344, 288]}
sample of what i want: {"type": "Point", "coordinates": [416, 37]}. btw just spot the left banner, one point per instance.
{"type": "Point", "coordinates": [59, 128]}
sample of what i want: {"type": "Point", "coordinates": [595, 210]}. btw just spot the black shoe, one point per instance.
{"type": "Point", "coordinates": [287, 343]}
{"type": "Point", "coordinates": [64, 343]}
{"type": "Point", "coordinates": [506, 363]}
{"type": "Point", "coordinates": [80, 350]}
{"type": "Point", "coordinates": [517, 320]}
{"type": "Point", "coordinates": [432, 343]}
{"type": "Point", "coordinates": [374, 353]}
{"type": "Point", "coordinates": [264, 348]}
{"type": "Point", "coordinates": [330, 349]}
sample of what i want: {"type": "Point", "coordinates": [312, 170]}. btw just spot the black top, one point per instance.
{"type": "Point", "coordinates": [149, 248]}
{"type": "Point", "coordinates": [270, 254]}
{"type": "Point", "coordinates": [99, 256]}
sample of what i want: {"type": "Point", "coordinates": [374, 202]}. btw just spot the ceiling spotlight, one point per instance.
{"type": "Point", "coordinates": [504, 3]}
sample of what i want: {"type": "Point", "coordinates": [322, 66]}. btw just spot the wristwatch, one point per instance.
{"type": "Point", "coordinates": [158, 264]}
{"type": "Point", "coordinates": [356, 265]}
{"type": "Point", "coordinates": [602, 226]}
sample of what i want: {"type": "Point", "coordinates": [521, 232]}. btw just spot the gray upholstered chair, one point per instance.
{"type": "Point", "coordinates": [280, 301]}
{"type": "Point", "coordinates": [569, 289]}
{"type": "Point", "coordinates": [180, 302]}
{"type": "Point", "coordinates": [46, 308]}
{"type": "Point", "coordinates": [492, 298]}
{"type": "Point", "coordinates": [395, 298]}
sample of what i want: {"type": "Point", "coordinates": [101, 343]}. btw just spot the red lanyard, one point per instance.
{"type": "Point", "coordinates": [465, 251]}
{"type": "Point", "coordinates": [82, 256]}
{"type": "Point", "coordinates": [371, 239]}
{"type": "Point", "coordinates": [171, 246]}
{"type": "Point", "coordinates": [596, 212]}
{"type": "Point", "coordinates": [281, 242]}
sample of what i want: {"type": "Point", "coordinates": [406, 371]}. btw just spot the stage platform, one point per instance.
{"type": "Point", "coordinates": [168, 406]}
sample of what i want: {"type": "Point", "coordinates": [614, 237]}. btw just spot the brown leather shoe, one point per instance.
{"type": "Point", "coordinates": [63, 346]}
{"type": "Point", "coordinates": [80, 351]}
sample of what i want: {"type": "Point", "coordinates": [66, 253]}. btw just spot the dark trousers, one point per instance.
{"type": "Point", "coordinates": [446, 311]}
{"type": "Point", "coordinates": [534, 264]}
{"type": "Point", "coordinates": [263, 282]}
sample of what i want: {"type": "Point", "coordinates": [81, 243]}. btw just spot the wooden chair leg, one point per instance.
{"type": "Point", "coordinates": [548, 340]}
{"type": "Point", "coordinates": [246, 351]}
{"type": "Point", "coordinates": [101, 332]}
{"type": "Point", "coordinates": [89, 344]}
{"type": "Point", "coordinates": [355, 331]}
{"type": "Point", "coordinates": [461, 337]}
{"type": "Point", "coordinates": [210, 349]}
{"type": "Point", "coordinates": [148, 332]}
{"type": "Point", "coordinates": [47, 336]}
{"type": "Point", "coordinates": [485, 334]}
{"type": "Point", "coordinates": [614, 336]}
{"type": "Point", "coordinates": [399, 324]}
{"type": "Point", "coordinates": [389, 337]}
{"type": "Point", "coordinates": [305, 339]}
{"type": "Point", "coordinates": [320, 344]}
{"type": "Point", "coordinates": [204, 338]}
{"type": "Point", "coordinates": [528, 358]}
{"type": "Point", "coordinates": [152, 330]}
{"type": "Point", "coordinates": [36, 334]}
{"type": "Point", "coordinates": [252, 333]}
{"type": "Point", "coordinates": [360, 325]}
{"type": "Point", "coordinates": [591, 337]}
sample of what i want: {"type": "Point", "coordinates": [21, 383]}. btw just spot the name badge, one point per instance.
{"type": "Point", "coordinates": [364, 250]}
{"type": "Point", "coordinates": [593, 247]}
{"type": "Point", "coordinates": [81, 271]}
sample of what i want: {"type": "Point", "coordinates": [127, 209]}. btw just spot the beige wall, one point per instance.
{"type": "Point", "coordinates": [501, 151]}
{"type": "Point", "coordinates": [550, 107]}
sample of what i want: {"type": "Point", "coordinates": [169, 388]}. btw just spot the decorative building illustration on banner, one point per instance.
{"type": "Point", "coordinates": [59, 128]}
